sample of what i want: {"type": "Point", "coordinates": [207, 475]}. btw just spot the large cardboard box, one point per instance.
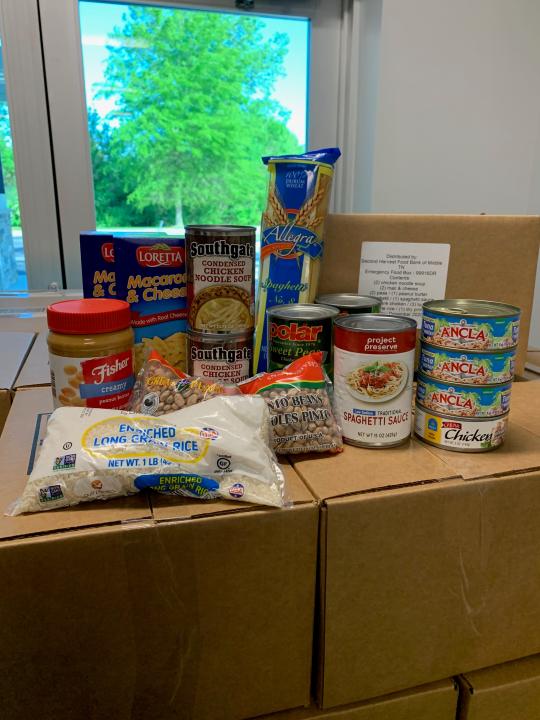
{"type": "Point", "coordinates": [437, 701]}
{"type": "Point", "coordinates": [15, 346]}
{"type": "Point", "coordinates": [428, 562]}
{"type": "Point", "coordinates": [166, 608]}
{"type": "Point", "coordinates": [34, 371]}
{"type": "Point", "coordinates": [491, 257]}
{"type": "Point", "coordinates": [505, 692]}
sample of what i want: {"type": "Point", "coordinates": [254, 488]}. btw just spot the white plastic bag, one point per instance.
{"type": "Point", "coordinates": [219, 448]}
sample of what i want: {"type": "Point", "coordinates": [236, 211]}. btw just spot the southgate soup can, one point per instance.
{"type": "Point", "coordinates": [349, 303]}
{"type": "Point", "coordinates": [461, 434]}
{"type": "Point", "coordinates": [227, 358]}
{"type": "Point", "coordinates": [373, 378]}
{"type": "Point", "coordinates": [470, 324]}
{"type": "Point", "coordinates": [299, 329]}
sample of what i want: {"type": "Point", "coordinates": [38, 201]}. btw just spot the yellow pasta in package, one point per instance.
{"type": "Point", "coordinates": [292, 234]}
{"type": "Point", "coordinates": [151, 277]}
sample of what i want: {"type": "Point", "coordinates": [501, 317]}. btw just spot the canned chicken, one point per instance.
{"type": "Point", "coordinates": [297, 330]}
{"type": "Point", "coordinates": [460, 434]}
{"type": "Point", "coordinates": [463, 400]}
{"type": "Point", "coordinates": [226, 358]}
{"type": "Point", "coordinates": [350, 304]}
{"type": "Point", "coordinates": [373, 378]}
{"type": "Point", "coordinates": [467, 367]}
{"type": "Point", "coordinates": [470, 324]}
{"type": "Point", "coordinates": [221, 278]}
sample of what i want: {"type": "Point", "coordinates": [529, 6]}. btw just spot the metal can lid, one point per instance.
{"type": "Point", "coordinates": [348, 300]}
{"type": "Point", "coordinates": [220, 230]}
{"type": "Point", "coordinates": [472, 308]}
{"type": "Point", "coordinates": [220, 337]}
{"type": "Point", "coordinates": [374, 322]}
{"type": "Point", "coordinates": [302, 311]}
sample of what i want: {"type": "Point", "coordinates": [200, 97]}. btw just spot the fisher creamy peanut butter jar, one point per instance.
{"type": "Point", "coordinates": [91, 353]}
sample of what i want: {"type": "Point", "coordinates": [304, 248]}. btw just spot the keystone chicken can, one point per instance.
{"type": "Point", "coordinates": [373, 378]}
{"type": "Point", "coordinates": [299, 329]}
{"type": "Point", "coordinates": [470, 324]}
{"type": "Point", "coordinates": [461, 434]}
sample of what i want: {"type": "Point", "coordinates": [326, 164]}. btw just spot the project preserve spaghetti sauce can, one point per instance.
{"type": "Point", "coordinates": [299, 329]}
{"type": "Point", "coordinates": [373, 378]}
{"type": "Point", "coordinates": [221, 278]}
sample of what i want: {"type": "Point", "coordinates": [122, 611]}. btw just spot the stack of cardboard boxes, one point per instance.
{"type": "Point", "coordinates": [378, 595]}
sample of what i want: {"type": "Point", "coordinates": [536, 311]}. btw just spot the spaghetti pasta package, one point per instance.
{"type": "Point", "coordinates": [292, 234]}
{"type": "Point", "coordinates": [161, 389]}
{"type": "Point", "coordinates": [151, 276]}
{"type": "Point", "coordinates": [300, 407]}
{"type": "Point", "coordinates": [199, 452]}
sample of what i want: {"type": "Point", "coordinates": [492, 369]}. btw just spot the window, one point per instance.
{"type": "Point", "coordinates": [182, 104]}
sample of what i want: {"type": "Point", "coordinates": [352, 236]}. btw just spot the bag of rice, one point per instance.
{"type": "Point", "coordinates": [160, 388]}
{"type": "Point", "coordinates": [200, 452]}
{"type": "Point", "coordinates": [300, 406]}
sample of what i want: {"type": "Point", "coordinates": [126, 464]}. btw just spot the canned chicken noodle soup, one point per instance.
{"type": "Point", "coordinates": [460, 434]}
{"type": "Point", "coordinates": [470, 324]}
{"type": "Point", "coordinates": [226, 358]}
{"type": "Point", "coordinates": [467, 367]}
{"type": "Point", "coordinates": [297, 330]}
{"type": "Point", "coordinates": [221, 278]}
{"type": "Point", "coordinates": [373, 377]}
{"type": "Point", "coordinates": [463, 400]}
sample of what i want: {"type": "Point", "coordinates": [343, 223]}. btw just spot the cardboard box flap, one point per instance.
{"type": "Point", "coordinates": [520, 452]}
{"type": "Point", "coordinates": [499, 676]}
{"type": "Point", "coordinates": [165, 507]}
{"type": "Point", "coordinates": [16, 444]}
{"type": "Point", "coordinates": [35, 369]}
{"type": "Point", "coordinates": [508, 246]}
{"type": "Point", "coordinates": [525, 405]}
{"type": "Point", "coordinates": [15, 347]}
{"type": "Point", "coordinates": [361, 470]}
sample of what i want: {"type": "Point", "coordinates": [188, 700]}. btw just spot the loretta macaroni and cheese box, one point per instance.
{"type": "Point", "coordinates": [97, 261]}
{"type": "Point", "coordinates": [151, 277]}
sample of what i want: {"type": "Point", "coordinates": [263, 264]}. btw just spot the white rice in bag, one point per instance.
{"type": "Point", "coordinates": [217, 449]}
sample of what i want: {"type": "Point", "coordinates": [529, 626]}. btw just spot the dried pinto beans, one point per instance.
{"type": "Point", "coordinates": [300, 408]}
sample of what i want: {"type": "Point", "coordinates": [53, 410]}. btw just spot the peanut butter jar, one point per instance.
{"type": "Point", "coordinates": [91, 353]}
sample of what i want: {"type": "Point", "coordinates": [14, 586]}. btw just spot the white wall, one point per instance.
{"type": "Point", "coordinates": [457, 113]}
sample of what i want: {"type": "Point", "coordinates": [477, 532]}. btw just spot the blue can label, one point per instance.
{"type": "Point", "coordinates": [470, 333]}
{"type": "Point", "coordinates": [466, 367]}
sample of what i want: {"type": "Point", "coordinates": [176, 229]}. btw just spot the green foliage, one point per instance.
{"type": "Point", "coordinates": [8, 169]}
{"type": "Point", "coordinates": [194, 116]}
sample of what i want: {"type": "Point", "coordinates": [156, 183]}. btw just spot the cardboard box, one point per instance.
{"type": "Point", "coordinates": [35, 368]}
{"type": "Point", "coordinates": [505, 692]}
{"type": "Point", "coordinates": [424, 557]}
{"type": "Point", "coordinates": [437, 701]}
{"type": "Point", "coordinates": [15, 347]}
{"type": "Point", "coordinates": [125, 609]}
{"type": "Point", "coordinates": [491, 257]}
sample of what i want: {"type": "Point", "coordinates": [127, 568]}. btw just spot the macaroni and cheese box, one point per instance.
{"type": "Point", "coordinates": [151, 277]}
{"type": "Point", "coordinates": [97, 262]}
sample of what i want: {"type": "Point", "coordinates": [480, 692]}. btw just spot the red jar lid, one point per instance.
{"type": "Point", "coordinates": [90, 316]}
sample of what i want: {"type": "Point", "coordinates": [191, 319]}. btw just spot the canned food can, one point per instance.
{"type": "Point", "coordinates": [299, 329]}
{"type": "Point", "coordinates": [373, 378]}
{"type": "Point", "coordinates": [470, 324]}
{"type": "Point", "coordinates": [467, 367]}
{"type": "Point", "coordinates": [463, 400]}
{"type": "Point", "coordinates": [460, 434]}
{"type": "Point", "coordinates": [349, 303]}
{"type": "Point", "coordinates": [220, 357]}
{"type": "Point", "coordinates": [221, 278]}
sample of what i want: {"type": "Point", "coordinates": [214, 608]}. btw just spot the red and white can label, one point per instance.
{"type": "Point", "coordinates": [373, 379]}
{"type": "Point", "coordinates": [102, 382]}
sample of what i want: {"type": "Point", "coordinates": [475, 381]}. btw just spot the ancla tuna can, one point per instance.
{"type": "Point", "coordinates": [299, 329]}
{"type": "Point", "coordinates": [373, 378]}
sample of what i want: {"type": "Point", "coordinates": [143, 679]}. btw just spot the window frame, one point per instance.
{"type": "Point", "coordinates": [62, 53]}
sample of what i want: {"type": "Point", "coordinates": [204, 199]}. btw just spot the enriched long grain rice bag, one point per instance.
{"type": "Point", "coordinates": [217, 449]}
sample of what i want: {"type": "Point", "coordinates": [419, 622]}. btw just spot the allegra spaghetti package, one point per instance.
{"type": "Point", "coordinates": [292, 234]}
{"type": "Point", "coordinates": [151, 277]}
{"type": "Point", "coordinates": [199, 452]}
{"type": "Point", "coordinates": [161, 389]}
{"type": "Point", "coordinates": [300, 406]}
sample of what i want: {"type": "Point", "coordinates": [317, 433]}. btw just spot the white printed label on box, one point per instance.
{"type": "Point", "coordinates": [404, 275]}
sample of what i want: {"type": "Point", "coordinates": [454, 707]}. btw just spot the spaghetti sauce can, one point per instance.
{"type": "Point", "coordinates": [221, 278]}
{"type": "Point", "coordinates": [227, 358]}
{"type": "Point", "coordinates": [373, 378]}
{"type": "Point", "coordinates": [299, 329]}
